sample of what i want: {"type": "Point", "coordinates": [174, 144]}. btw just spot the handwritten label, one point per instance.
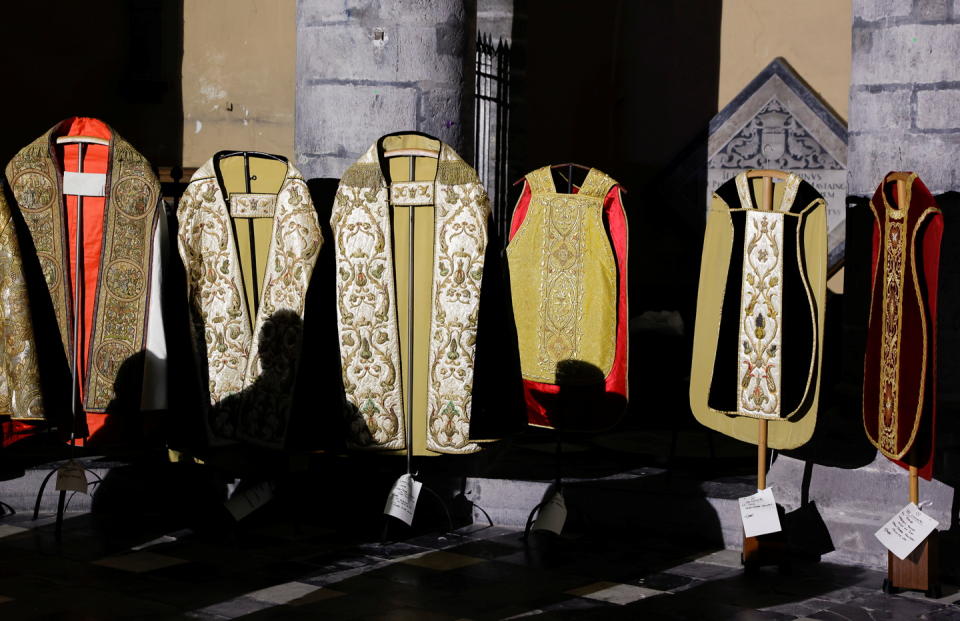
{"type": "Point", "coordinates": [553, 515]}
{"type": "Point", "coordinates": [249, 500]}
{"type": "Point", "coordinates": [906, 530]}
{"type": "Point", "coordinates": [84, 184]}
{"type": "Point", "coordinates": [402, 499]}
{"type": "Point", "coordinates": [71, 477]}
{"type": "Point", "coordinates": [759, 514]}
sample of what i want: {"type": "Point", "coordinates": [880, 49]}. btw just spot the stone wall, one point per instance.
{"type": "Point", "coordinates": [904, 93]}
{"type": "Point", "coordinates": [370, 67]}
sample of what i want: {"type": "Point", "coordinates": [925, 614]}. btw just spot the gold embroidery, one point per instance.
{"type": "Point", "coordinates": [130, 218]}
{"type": "Point", "coordinates": [19, 373]}
{"type": "Point", "coordinates": [366, 304]}
{"type": "Point", "coordinates": [366, 313]}
{"type": "Point", "coordinates": [411, 193]}
{"type": "Point", "coordinates": [892, 299]}
{"type": "Point", "coordinates": [235, 352]}
{"type": "Point", "coordinates": [252, 205]}
{"type": "Point", "coordinates": [461, 240]}
{"type": "Point", "coordinates": [760, 355]}
{"type": "Point", "coordinates": [561, 252]}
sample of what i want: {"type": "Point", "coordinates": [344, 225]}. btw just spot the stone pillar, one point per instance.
{"type": "Point", "coordinates": [905, 93]}
{"type": "Point", "coordinates": [370, 67]}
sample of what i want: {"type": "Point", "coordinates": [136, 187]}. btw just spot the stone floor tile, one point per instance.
{"type": "Point", "coordinates": [442, 560]}
{"type": "Point", "coordinates": [614, 593]}
{"type": "Point", "coordinates": [139, 562]}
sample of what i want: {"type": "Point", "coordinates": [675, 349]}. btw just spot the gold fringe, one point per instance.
{"type": "Point", "coordinates": [456, 172]}
{"type": "Point", "coordinates": [363, 176]}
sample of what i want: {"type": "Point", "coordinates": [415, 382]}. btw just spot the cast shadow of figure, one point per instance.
{"type": "Point", "coordinates": [317, 414]}
{"type": "Point", "coordinates": [260, 413]}
{"type": "Point", "coordinates": [612, 508]}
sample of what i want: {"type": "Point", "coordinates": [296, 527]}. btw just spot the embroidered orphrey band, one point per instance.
{"type": "Point", "coordinates": [893, 260]}
{"type": "Point", "coordinates": [760, 353]}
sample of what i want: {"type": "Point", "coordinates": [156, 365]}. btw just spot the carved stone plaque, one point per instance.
{"type": "Point", "coordinates": [777, 122]}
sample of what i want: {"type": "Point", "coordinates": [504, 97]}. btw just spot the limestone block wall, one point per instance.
{"type": "Point", "coordinates": [905, 93]}
{"type": "Point", "coordinates": [369, 67]}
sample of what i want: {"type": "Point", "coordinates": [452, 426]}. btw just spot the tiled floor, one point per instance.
{"type": "Point", "coordinates": [117, 568]}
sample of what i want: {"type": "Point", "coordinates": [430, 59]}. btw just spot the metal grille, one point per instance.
{"type": "Point", "coordinates": [492, 124]}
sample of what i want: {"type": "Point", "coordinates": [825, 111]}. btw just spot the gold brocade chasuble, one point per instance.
{"type": "Point", "coordinates": [370, 224]}
{"type": "Point", "coordinates": [126, 267]}
{"type": "Point", "coordinates": [561, 261]}
{"type": "Point", "coordinates": [249, 256]}
{"type": "Point", "coordinates": [758, 340]}
{"type": "Point", "coordinates": [19, 374]}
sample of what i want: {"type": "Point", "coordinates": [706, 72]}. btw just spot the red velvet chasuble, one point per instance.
{"type": "Point", "coordinates": [900, 370]}
{"type": "Point", "coordinates": [591, 401]}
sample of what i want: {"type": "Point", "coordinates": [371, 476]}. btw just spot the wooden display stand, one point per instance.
{"type": "Point", "coordinates": [766, 549]}
{"type": "Point", "coordinates": [921, 570]}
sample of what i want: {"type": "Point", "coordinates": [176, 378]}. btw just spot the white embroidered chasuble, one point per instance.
{"type": "Point", "coordinates": [247, 320]}
{"type": "Point", "coordinates": [369, 218]}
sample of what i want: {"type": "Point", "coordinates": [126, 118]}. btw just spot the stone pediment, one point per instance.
{"type": "Point", "coordinates": [779, 122]}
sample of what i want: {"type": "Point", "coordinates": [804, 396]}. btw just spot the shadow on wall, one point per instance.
{"type": "Point", "coordinates": [623, 87]}
{"type": "Point", "coordinates": [118, 61]}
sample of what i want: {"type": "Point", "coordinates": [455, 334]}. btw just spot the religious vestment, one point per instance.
{"type": "Point", "coordinates": [445, 359]}
{"type": "Point", "coordinates": [121, 355]}
{"type": "Point", "coordinates": [568, 279]}
{"type": "Point", "coordinates": [758, 337]}
{"type": "Point", "coordinates": [900, 367]}
{"type": "Point", "coordinates": [21, 403]}
{"type": "Point", "coordinates": [249, 239]}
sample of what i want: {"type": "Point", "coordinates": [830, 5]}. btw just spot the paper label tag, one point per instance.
{"type": "Point", "coordinates": [906, 530]}
{"type": "Point", "coordinates": [402, 499]}
{"type": "Point", "coordinates": [84, 184]}
{"type": "Point", "coordinates": [553, 515]}
{"type": "Point", "coordinates": [71, 477]}
{"type": "Point", "coordinates": [759, 514]}
{"type": "Point", "coordinates": [249, 500]}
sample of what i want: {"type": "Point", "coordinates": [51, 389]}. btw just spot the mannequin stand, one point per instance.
{"type": "Point", "coordinates": [408, 389]}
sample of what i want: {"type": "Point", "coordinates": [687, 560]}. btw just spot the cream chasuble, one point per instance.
{"type": "Point", "coordinates": [249, 252]}
{"type": "Point", "coordinates": [449, 253]}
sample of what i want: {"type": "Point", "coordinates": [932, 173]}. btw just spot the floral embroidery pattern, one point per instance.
{"type": "Point", "coordinates": [235, 350]}
{"type": "Point", "coordinates": [892, 299]}
{"type": "Point", "coordinates": [461, 240]}
{"type": "Point", "coordinates": [760, 352]}
{"type": "Point", "coordinates": [19, 374]}
{"type": "Point", "coordinates": [366, 312]}
{"type": "Point", "coordinates": [366, 303]}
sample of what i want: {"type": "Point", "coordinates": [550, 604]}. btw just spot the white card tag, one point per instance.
{"type": "Point", "coordinates": [84, 184]}
{"type": "Point", "coordinates": [906, 530]}
{"type": "Point", "coordinates": [759, 514]}
{"type": "Point", "coordinates": [249, 500]}
{"type": "Point", "coordinates": [71, 477]}
{"type": "Point", "coordinates": [402, 499]}
{"type": "Point", "coordinates": [553, 514]}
